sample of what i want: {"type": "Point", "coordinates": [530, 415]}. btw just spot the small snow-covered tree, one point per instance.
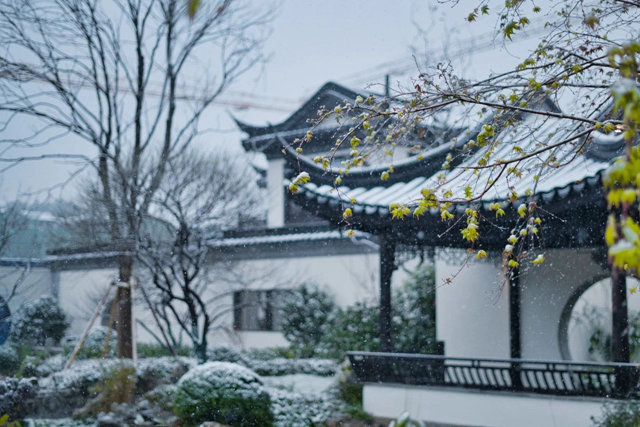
{"type": "Point", "coordinates": [13, 219]}
{"type": "Point", "coordinates": [125, 80]}
{"type": "Point", "coordinates": [414, 306]}
{"type": "Point", "coordinates": [306, 313]}
{"type": "Point", "coordinates": [200, 196]}
{"type": "Point", "coordinates": [39, 321]}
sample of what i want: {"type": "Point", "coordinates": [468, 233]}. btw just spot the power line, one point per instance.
{"type": "Point", "coordinates": [240, 104]}
{"type": "Point", "coordinates": [401, 66]}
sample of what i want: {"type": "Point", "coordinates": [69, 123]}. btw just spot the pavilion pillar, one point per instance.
{"type": "Point", "coordinates": [620, 351]}
{"type": "Point", "coordinates": [515, 343]}
{"type": "Point", "coordinates": [387, 265]}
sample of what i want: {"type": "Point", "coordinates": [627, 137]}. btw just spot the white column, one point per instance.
{"type": "Point", "coordinates": [275, 193]}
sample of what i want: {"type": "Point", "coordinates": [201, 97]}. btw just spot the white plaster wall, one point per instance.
{"type": "Point", "coordinates": [545, 291]}
{"type": "Point", "coordinates": [348, 278]}
{"type": "Point", "coordinates": [79, 294]}
{"type": "Point", "coordinates": [275, 190]}
{"type": "Point", "coordinates": [472, 314]}
{"type": "Point", "coordinates": [472, 311]}
{"type": "Point", "coordinates": [261, 339]}
{"type": "Point", "coordinates": [37, 282]}
{"type": "Point", "coordinates": [473, 408]}
{"type": "Point", "coordinates": [581, 325]}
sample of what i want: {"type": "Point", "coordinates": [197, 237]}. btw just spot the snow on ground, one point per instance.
{"type": "Point", "coordinates": [301, 383]}
{"type": "Point", "coordinates": [59, 422]}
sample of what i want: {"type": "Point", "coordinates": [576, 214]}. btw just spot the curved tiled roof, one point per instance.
{"type": "Point", "coordinates": [557, 159]}
{"type": "Point", "coordinates": [573, 169]}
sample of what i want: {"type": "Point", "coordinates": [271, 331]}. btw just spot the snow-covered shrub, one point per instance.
{"type": "Point", "coordinates": [28, 368]}
{"type": "Point", "coordinates": [9, 360]}
{"type": "Point", "coordinates": [618, 414]}
{"type": "Point", "coordinates": [305, 317]}
{"type": "Point", "coordinates": [298, 409]}
{"type": "Point", "coordinates": [223, 392]}
{"type": "Point", "coordinates": [405, 420]}
{"type": "Point", "coordinates": [83, 374]}
{"type": "Point", "coordinates": [597, 323]}
{"type": "Point", "coordinates": [353, 328]}
{"type": "Point", "coordinates": [152, 372]}
{"type": "Point", "coordinates": [157, 350]}
{"type": "Point", "coordinates": [281, 366]}
{"type": "Point", "coordinates": [356, 328]}
{"type": "Point", "coordinates": [349, 388]}
{"type": "Point", "coordinates": [226, 354]}
{"type": "Point", "coordinates": [15, 396]}
{"type": "Point", "coordinates": [93, 345]}
{"type": "Point", "coordinates": [39, 321]}
{"type": "Point", "coordinates": [118, 386]}
{"type": "Point", "coordinates": [51, 364]}
{"type": "Point", "coordinates": [162, 396]}
{"type": "Point", "coordinates": [268, 353]}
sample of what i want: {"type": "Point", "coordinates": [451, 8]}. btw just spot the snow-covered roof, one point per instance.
{"type": "Point", "coordinates": [565, 171]}
{"type": "Point", "coordinates": [66, 258]}
{"type": "Point", "coordinates": [279, 238]}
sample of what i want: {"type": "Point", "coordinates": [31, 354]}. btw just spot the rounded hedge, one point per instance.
{"type": "Point", "coordinates": [39, 321]}
{"type": "Point", "coordinates": [223, 392]}
{"type": "Point", "coordinates": [9, 360]}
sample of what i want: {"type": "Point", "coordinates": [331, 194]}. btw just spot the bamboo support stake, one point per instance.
{"type": "Point", "coordinates": [134, 344]}
{"type": "Point", "coordinates": [83, 337]}
{"type": "Point", "coordinates": [112, 318]}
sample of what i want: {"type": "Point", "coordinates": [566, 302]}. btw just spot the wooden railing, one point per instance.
{"type": "Point", "coordinates": [532, 376]}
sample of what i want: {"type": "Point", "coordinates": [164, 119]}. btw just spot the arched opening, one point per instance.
{"type": "Point", "coordinates": [585, 325]}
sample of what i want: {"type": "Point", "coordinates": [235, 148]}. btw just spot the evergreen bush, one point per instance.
{"type": "Point", "coordinates": [618, 414]}
{"type": "Point", "coordinates": [16, 395]}
{"type": "Point", "coordinates": [353, 329]}
{"type": "Point", "coordinates": [306, 314]}
{"type": "Point", "coordinates": [9, 360]}
{"type": "Point", "coordinates": [315, 327]}
{"type": "Point", "coordinates": [39, 321]}
{"type": "Point", "coordinates": [223, 392]}
{"type": "Point", "coordinates": [414, 307]}
{"type": "Point", "coordinates": [93, 345]}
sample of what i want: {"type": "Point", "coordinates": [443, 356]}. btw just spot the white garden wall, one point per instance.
{"type": "Point", "coordinates": [474, 408]}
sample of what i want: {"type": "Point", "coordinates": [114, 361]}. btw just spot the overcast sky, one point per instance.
{"type": "Point", "coordinates": [353, 42]}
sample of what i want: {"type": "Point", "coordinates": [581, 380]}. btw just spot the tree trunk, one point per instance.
{"type": "Point", "coordinates": [201, 352]}
{"type": "Point", "coordinates": [125, 332]}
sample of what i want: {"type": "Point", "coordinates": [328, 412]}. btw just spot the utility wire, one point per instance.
{"type": "Point", "coordinates": [267, 103]}
{"type": "Point", "coordinates": [480, 43]}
